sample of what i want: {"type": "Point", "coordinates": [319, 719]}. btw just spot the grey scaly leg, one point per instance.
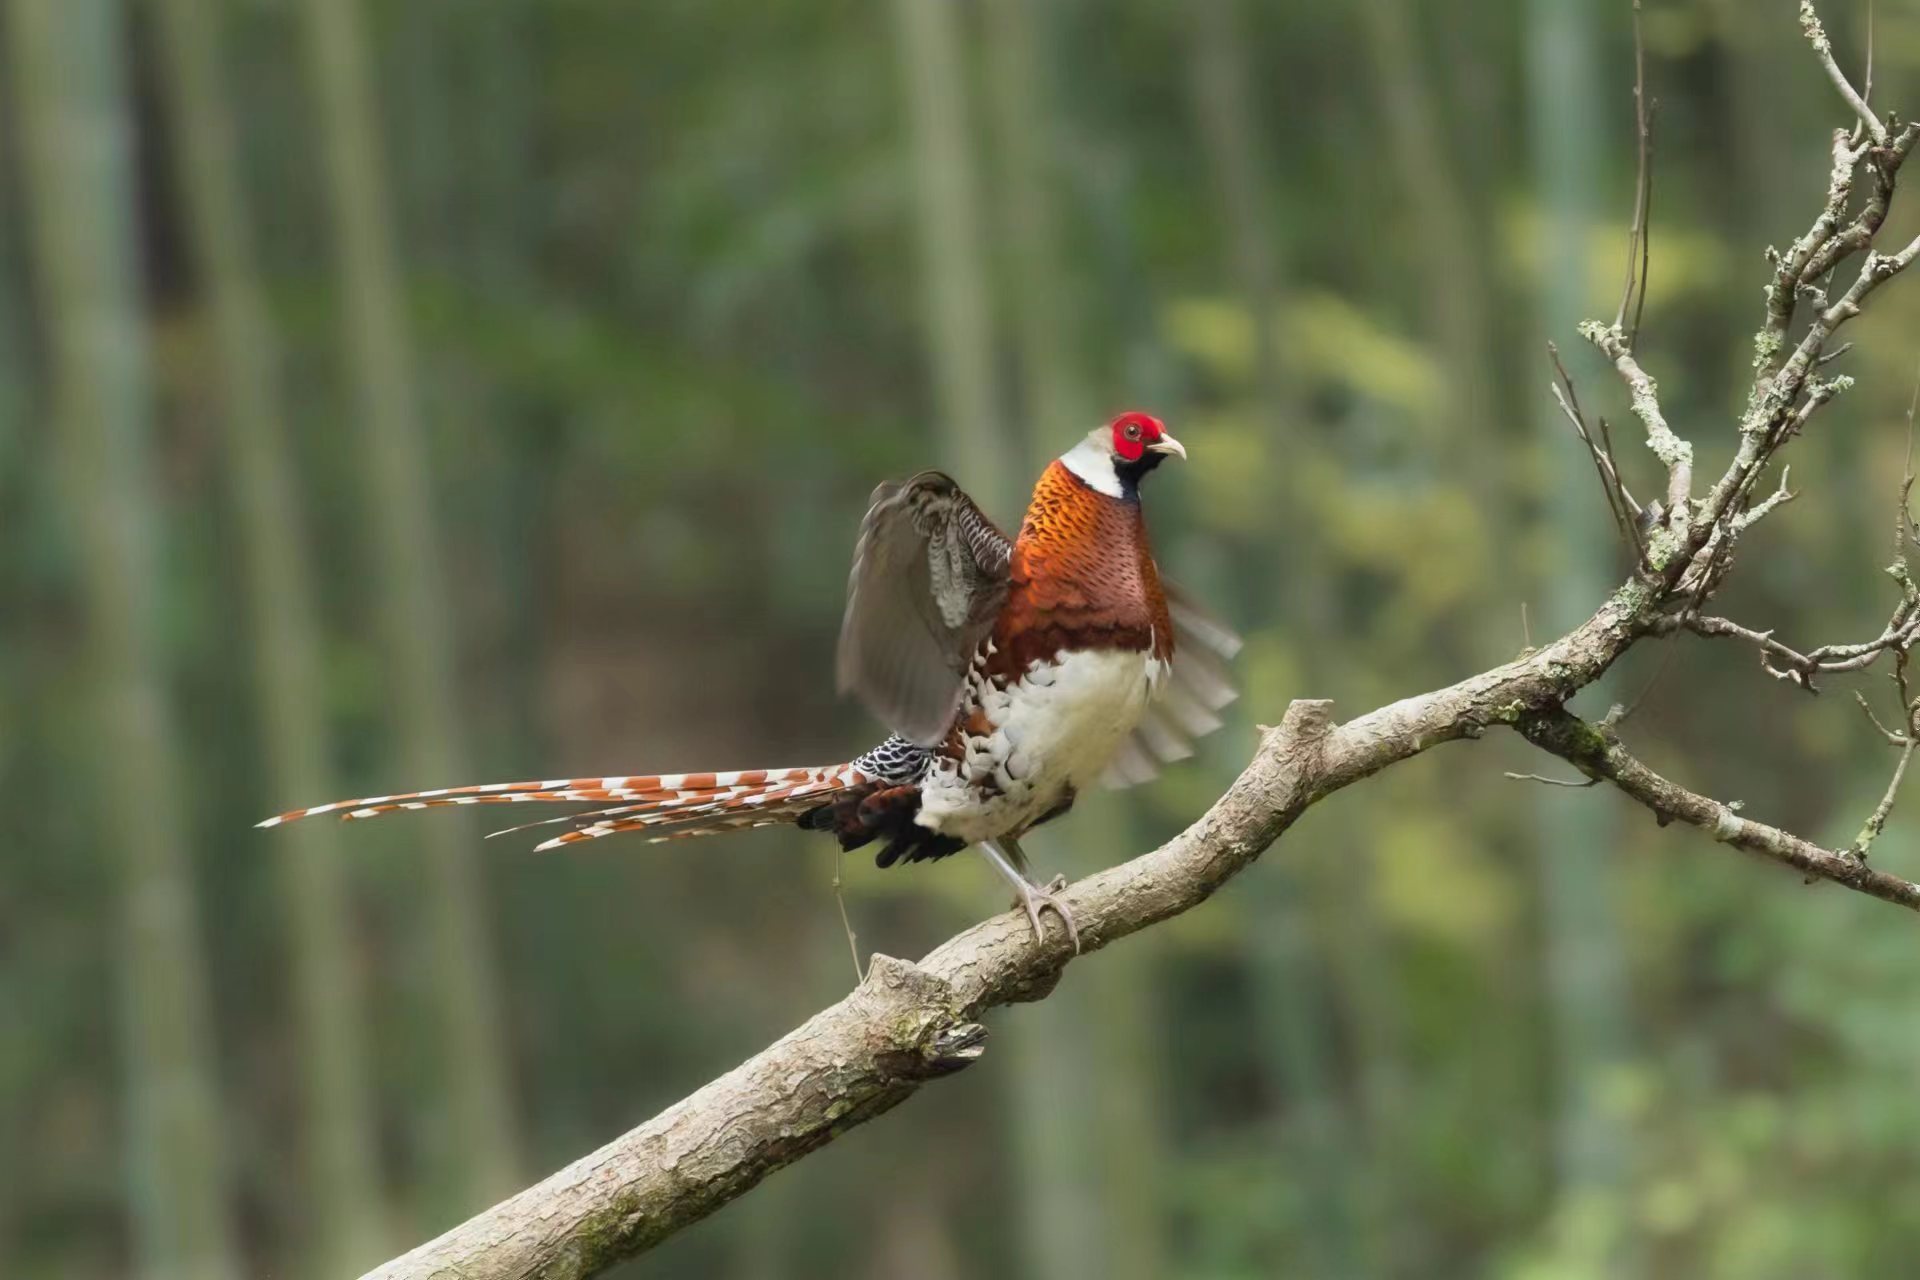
{"type": "Point", "coordinates": [1007, 858]}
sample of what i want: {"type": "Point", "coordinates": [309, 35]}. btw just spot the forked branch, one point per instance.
{"type": "Point", "coordinates": [1597, 752]}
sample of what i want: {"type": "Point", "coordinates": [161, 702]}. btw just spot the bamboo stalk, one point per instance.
{"type": "Point", "coordinates": [410, 584]}
{"type": "Point", "coordinates": [69, 85]}
{"type": "Point", "coordinates": [343, 1173]}
{"type": "Point", "coordinates": [1589, 1013]}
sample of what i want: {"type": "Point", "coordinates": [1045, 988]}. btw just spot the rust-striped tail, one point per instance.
{"type": "Point", "coordinates": [669, 805]}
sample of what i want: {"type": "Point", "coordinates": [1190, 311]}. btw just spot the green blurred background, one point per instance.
{"type": "Point", "coordinates": [411, 393]}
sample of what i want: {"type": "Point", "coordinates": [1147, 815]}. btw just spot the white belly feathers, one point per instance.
{"type": "Point", "coordinates": [1054, 731]}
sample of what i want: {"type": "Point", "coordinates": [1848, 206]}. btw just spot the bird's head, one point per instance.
{"type": "Point", "coordinates": [1114, 458]}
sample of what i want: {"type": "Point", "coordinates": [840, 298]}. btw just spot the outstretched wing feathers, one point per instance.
{"type": "Point", "coordinates": [1197, 687]}
{"type": "Point", "coordinates": [929, 578]}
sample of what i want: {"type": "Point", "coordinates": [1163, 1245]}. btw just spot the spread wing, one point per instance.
{"type": "Point", "coordinates": [929, 578]}
{"type": "Point", "coordinates": [1197, 687]}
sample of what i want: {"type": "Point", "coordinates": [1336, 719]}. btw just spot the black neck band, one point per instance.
{"type": "Point", "coordinates": [1130, 473]}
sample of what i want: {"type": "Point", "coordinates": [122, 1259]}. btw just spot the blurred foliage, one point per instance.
{"type": "Point", "coordinates": [658, 266]}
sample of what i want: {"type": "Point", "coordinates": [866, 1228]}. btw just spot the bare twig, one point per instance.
{"type": "Point", "coordinates": [1760, 510]}
{"type": "Point", "coordinates": [1792, 267]}
{"type": "Point", "coordinates": [1644, 396]}
{"type": "Point", "coordinates": [1842, 243]}
{"type": "Point", "coordinates": [1785, 663]}
{"type": "Point", "coordinates": [1620, 504]}
{"type": "Point", "coordinates": [1633, 296]}
{"type": "Point", "coordinates": [1909, 736]}
{"type": "Point", "coordinates": [1617, 503]}
{"type": "Point", "coordinates": [1774, 412]}
{"type": "Point", "coordinates": [1823, 48]}
{"type": "Point", "coordinates": [1877, 821]}
{"type": "Point", "coordinates": [1866, 88]}
{"type": "Point", "coordinates": [1819, 394]}
{"type": "Point", "coordinates": [1553, 782]}
{"type": "Point", "coordinates": [1906, 740]}
{"type": "Point", "coordinates": [1897, 637]}
{"type": "Point", "coordinates": [1597, 752]}
{"type": "Point", "coordinates": [1866, 709]}
{"type": "Point", "coordinates": [1903, 527]}
{"type": "Point", "coordinates": [1606, 449]}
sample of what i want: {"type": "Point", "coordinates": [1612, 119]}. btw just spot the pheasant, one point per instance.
{"type": "Point", "coordinates": [1013, 673]}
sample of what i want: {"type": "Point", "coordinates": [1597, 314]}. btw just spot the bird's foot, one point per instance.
{"type": "Point", "coordinates": [1033, 900]}
{"type": "Point", "coordinates": [1004, 853]}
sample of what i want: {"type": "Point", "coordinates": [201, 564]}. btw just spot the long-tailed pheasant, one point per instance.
{"type": "Point", "coordinates": [1013, 673]}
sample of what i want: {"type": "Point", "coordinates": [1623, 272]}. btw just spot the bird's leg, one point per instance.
{"type": "Point", "coordinates": [1007, 858]}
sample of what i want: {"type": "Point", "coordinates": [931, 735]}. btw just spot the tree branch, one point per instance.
{"type": "Point", "coordinates": [1596, 752]}
{"type": "Point", "coordinates": [908, 1024]}
{"type": "Point", "coordinates": [1633, 296]}
{"type": "Point", "coordinates": [1783, 662]}
{"type": "Point", "coordinates": [1816, 35]}
{"type": "Point", "coordinates": [1674, 453]}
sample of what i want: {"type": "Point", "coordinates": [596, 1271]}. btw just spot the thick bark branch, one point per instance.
{"type": "Point", "coordinates": [911, 1023]}
{"type": "Point", "coordinates": [908, 1024]}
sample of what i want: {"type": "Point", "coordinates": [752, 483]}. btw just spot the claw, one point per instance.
{"type": "Point", "coordinates": [1005, 855]}
{"type": "Point", "coordinates": [1035, 900]}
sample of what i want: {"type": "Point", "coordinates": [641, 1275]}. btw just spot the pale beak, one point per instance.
{"type": "Point", "coordinates": [1167, 444]}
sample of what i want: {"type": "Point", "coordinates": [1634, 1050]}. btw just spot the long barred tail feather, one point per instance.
{"type": "Point", "coordinates": [686, 807]}
{"type": "Point", "coordinates": [566, 817]}
{"type": "Point", "coordinates": [672, 805]}
{"type": "Point", "coordinates": [762, 807]}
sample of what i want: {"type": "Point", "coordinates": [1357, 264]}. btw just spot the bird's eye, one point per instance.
{"type": "Point", "coordinates": [1132, 431]}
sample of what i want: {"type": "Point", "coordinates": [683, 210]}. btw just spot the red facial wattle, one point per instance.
{"type": "Point", "coordinates": [1133, 433]}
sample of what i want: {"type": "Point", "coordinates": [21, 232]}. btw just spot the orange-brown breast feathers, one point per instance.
{"type": "Point", "coordinates": [1083, 577]}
